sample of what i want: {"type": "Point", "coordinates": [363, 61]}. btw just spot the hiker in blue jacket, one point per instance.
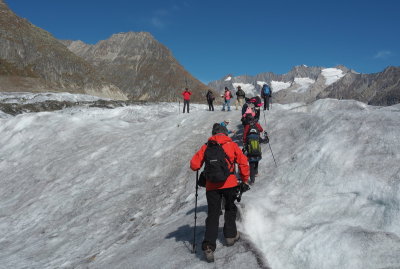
{"type": "Point", "coordinates": [266, 94]}
{"type": "Point", "coordinates": [225, 123]}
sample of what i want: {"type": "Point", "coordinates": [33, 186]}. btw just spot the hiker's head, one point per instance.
{"type": "Point", "coordinates": [218, 128]}
{"type": "Point", "coordinates": [239, 87]}
{"type": "Point", "coordinates": [186, 89]}
{"type": "Point", "coordinates": [227, 121]}
{"type": "Point", "coordinates": [226, 89]}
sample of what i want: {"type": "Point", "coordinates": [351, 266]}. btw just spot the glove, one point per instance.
{"type": "Point", "coordinates": [266, 138]}
{"type": "Point", "coordinates": [244, 187]}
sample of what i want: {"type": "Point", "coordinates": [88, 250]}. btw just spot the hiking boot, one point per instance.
{"type": "Point", "coordinates": [231, 241]}
{"type": "Point", "coordinates": [209, 254]}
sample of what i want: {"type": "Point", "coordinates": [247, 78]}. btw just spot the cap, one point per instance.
{"type": "Point", "coordinates": [227, 120]}
{"type": "Point", "coordinates": [218, 128]}
{"type": "Point", "coordinates": [253, 131]}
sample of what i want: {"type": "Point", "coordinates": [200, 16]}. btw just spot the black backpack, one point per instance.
{"type": "Point", "coordinates": [253, 142]}
{"type": "Point", "coordinates": [216, 163]}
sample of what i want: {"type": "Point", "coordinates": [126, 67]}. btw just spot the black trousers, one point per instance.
{"type": "Point", "coordinates": [266, 102]}
{"type": "Point", "coordinates": [214, 198]}
{"type": "Point", "coordinates": [210, 105]}
{"type": "Point", "coordinates": [186, 104]}
{"type": "Point", "coordinates": [253, 171]}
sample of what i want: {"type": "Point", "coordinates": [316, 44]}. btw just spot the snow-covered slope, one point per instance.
{"type": "Point", "coordinates": [112, 188]}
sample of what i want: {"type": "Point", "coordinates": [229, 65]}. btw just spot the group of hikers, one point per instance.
{"type": "Point", "coordinates": [220, 155]}
{"type": "Point", "coordinates": [266, 94]}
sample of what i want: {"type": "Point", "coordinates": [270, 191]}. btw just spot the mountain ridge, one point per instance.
{"type": "Point", "coordinates": [307, 84]}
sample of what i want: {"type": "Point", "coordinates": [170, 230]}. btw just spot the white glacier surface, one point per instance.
{"type": "Point", "coordinates": [112, 188]}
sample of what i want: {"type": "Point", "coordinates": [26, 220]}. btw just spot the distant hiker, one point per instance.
{"type": "Point", "coordinates": [210, 100]}
{"type": "Point", "coordinates": [220, 155]}
{"type": "Point", "coordinates": [266, 94]}
{"type": "Point", "coordinates": [227, 99]}
{"type": "Point", "coordinates": [186, 99]}
{"type": "Point", "coordinates": [240, 95]}
{"type": "Point", "coordinates": [251, 145]}
{"type": "Point", "coordinates": [225, 124]}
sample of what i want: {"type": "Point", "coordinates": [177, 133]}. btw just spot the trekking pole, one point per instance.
{"type": "Point", "coordinates": [195, 214]}
{"type": "Point", "coordinates": [271, 102]}
{"type": "Point", "coordinates": [272, 154]}
{"type": "Point", "coordinates": [268, 142]}
{"type": "Point", "coordinates": [265, 121]}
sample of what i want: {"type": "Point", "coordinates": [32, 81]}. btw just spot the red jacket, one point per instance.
{"type": "Point", "coordinates": [246, 130]}
{"type": "Point", "coordinates": [186, 95]}
{"type": "Point", "coordinates": [234, 154]}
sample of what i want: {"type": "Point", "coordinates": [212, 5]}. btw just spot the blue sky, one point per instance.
{"type": "Point", "coordinates": [214, 38]}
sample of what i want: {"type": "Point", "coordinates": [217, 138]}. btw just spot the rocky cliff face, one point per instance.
{"type": "Point", "coordinates": [375, 89]}
{"type": "Point", "coordinates": [307, 84]}
{"type": "Point", "coordinates": [139, 65]}
{"type": "Point", "coordinates": [31, 59]}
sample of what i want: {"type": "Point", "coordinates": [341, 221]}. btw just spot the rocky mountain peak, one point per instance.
{"type": "Point", "coordinates": [137, 63]}
{"type": "Point", "coordinates": [33, 60]}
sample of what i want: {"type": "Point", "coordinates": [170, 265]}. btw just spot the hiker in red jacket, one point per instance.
{"type": "Point", "coordinates": [186, 99]}
{"type": "Point", "coordinates": [251, 121]}
{"type": "Point", "coordinates": [226, 189]}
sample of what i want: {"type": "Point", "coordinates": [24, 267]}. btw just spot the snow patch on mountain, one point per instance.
{"type": "Point", "coordinates": [279, 85]}
{"type": "Point", "coordinates": [332, 75]}
{"type": "Point", "coordinates": [228, 79]}
{"type": "Point", "coordinates": [304, 84]}
{"type": "Point", "coordinates": [261, 83]}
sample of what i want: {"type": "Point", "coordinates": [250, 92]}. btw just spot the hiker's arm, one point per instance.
{"type": "Point", "coordinates": [245, 130]}
{"type": "Point", "coordinates": [260, 129]}
{"type": "Point", "coordinates": [198, 159]}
